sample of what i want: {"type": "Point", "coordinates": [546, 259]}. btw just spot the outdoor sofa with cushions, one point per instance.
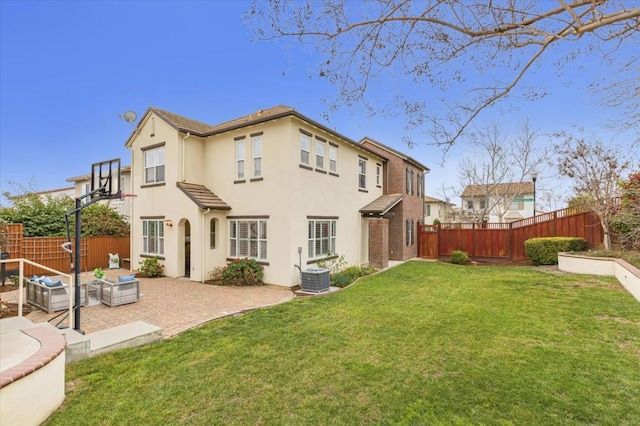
{"type": "Point", "coordinates": [51, 294]}
{"type": "Point", "coordinates": [125, 290]}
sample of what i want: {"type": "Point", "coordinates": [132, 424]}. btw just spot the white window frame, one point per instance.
{"type": "Point", "coordinates": [250, 242]}
{"type": "Point", "coordinates": [333, 159]}
{"type": "Point", "coordinates": [320, 146]}
{"type": "Point", "coordinates": [240, 159]}
{"type": "Point", "coordinates": [362, 173]}
{"type": "Point", "coordinates": [378, 175]}
{"type": "Point", "coordinates": [154, 165]}
{"type": "Point", "coordinates": [153, 240]}
{"type": "Point", "coordinates": [305, 149]}
{"type": "Point", "coordinates": [213, 225]}
{"type": "Point", "coordinates": [320, 245]}
{"type": "Point", "coordinates": [256, 152]}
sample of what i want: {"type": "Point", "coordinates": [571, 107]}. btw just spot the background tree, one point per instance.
{"type": "Point", "coordinates": [595, 169]}
{"type": "Point", "coordinates": [44, 216]}
{"type": "Point", "coordinates": [497, 164]}
{"type": "Point", "coordinates": [626, 221]}
{"type": "Point", "coordinates": [468, 55]}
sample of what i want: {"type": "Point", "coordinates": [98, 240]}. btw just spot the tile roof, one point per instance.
{"type": "Point", "coordinates": [396, 152]}
{"type": "Point", "coordinates": [202, 196]}
{"type": "Point", "coordinates": [382, 204]}
{"type": "Point", "coordinates": [183, 124]}
{"type": "Point", "coordinates": [508, 188]}
{"type": "Point", "coordinates": [256, 117]}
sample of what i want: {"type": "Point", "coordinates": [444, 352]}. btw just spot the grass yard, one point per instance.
{"type": "Point", "coordinates": [422, 343]}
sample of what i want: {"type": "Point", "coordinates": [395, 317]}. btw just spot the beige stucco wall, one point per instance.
{"type": "Point", "coordinates": [286, 195]}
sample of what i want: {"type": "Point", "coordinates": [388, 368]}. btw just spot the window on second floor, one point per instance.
{"type": "Point", "coordinates": [516, 205]}
{"type": "Point", "coordinates": [305, 149]}
{"type": "Point", "coordinates": [333, 159]}
{"type": "Point", "coordinates": [362, 173]}
{"type": "Point", "coordinates": [470, 204]}
{"type": "Point", "coordinates": [256, 151]}
{"type": "Point", "coordinates": [154, 165]}
{"type": "Point", "coordinates": [409, 181]}
{"type": "Point", "coordinates": [428, 209]}
{"type": "Point", "coordinates": [420, 182]}
{"type": "Point", "coordinates": [378, 174]}
{"type": "Point", "coordinates": [240, 159]}
{"type": "Point", "coordinates": [319, 155]}
{"type": "Point", "coordinates": [483, 204]}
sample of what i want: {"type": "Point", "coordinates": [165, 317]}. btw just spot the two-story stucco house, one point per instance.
{"type": "Point", "coordinates": [274, 185]}
{"type": "Point", "coordinates": [498, 203]}
{"type": "Point", "coordinates": [82, 186]}
{"type": "Point", "coordinates": [437, 209]}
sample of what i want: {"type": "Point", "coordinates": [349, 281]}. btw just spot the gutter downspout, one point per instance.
{"type": "Point", "coordinates": [202, 245]}
{"type": "Point", "coordinates": [183, 159]}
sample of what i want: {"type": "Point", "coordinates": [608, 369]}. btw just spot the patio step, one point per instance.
{"type": "Point", "coordinates": [123, 336]}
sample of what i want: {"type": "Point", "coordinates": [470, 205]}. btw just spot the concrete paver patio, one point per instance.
{"type": "Point", "coordinates": [173, 304]}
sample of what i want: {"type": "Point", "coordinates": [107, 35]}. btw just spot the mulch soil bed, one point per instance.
{"type": "Point", "coordinates": [13, 307]}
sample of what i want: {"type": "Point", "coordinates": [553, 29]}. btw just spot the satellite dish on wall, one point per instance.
{"type": "Point", "coordinates": [129, 116]}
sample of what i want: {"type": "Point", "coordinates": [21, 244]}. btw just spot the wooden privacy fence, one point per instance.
{"type": "Point", "coordinates": [94, 251]}
{"type": "Point", "coordinates": [505, 241]}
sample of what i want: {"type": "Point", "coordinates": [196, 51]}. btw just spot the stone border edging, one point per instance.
{"type": "Point", "coordinates": [627, 274]}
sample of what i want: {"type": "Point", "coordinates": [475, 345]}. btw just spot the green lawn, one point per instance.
{"type": "Point", "coordinates": [422, 343]}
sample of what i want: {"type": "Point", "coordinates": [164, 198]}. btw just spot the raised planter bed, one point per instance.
{"type": "Point", "coordinates": [627, 274]}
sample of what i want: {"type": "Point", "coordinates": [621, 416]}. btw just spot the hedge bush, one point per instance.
{"type": "Point", "coordinates": [459, 257]}
{"type": "Point", "coordinates": [544, 251]}
{"type": "Point", "coordinates": [243, 272]}
{"type": "Point", "coordinates": [349, 275]}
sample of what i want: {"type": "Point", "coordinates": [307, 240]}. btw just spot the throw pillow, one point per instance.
{"type": "Point", "coordinates": [126, 278]}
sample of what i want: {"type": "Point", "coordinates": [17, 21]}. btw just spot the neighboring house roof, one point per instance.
{"type": "Point", "coordinates": [428, 199]}
{"type": "Point", "coordinates": [88, 176]}
{"type": "Point", "coordinates": [382, 204]}
{"type": "Point", "coordinates": [508, 188]}
{"type": "Point", "coordinates": [398, 153]}
{"type": "Point", "coordinates": [198, 128]}
{"type": "Point", "coordinates": [512, 215]}
{"type": "Point", "coordinates": [52, 192]}
{"type": "Point", "coordinates": [202, 196]}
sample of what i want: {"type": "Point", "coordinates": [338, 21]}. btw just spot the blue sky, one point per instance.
{"type": "Point", "coordinates": [67, 69]}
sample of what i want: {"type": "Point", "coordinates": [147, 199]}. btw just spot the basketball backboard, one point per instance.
{"type": "Point", "coordinates": [106, 175]}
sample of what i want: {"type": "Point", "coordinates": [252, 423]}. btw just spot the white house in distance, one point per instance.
{"type": "Point", "coordinates": [275, 186]}
{"type": "Point", "coordinates": [435, 208]}
{"type": "Point", "coordinates": [82, 186]}
{"type": "Point", "coordinates": [498, 203]}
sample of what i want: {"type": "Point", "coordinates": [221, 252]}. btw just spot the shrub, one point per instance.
{"type": "Point", "coordinates": [151, 267]}
{"type": "Point", "coordinates": [544, 251]}
{"type": "Point", "coordinates": [4, 309]}
{"type": "Point", "coordinates": [349, 275]}
{"type": "Point", "coordinates": [436, 222]}
{"type": "Point", "coordinates": [459, 257]}
{"type": "Point", "coordinates": [216, 274]}
{"type": "Point", "coordinates": [332, 262]}
{"type": "Point", "coordinates": [243, 272]}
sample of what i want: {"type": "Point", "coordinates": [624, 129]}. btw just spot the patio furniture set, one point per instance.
{"type": "Point", "coordinates": [51, 294]}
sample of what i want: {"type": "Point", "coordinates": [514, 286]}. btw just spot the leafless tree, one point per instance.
{"type": "Point", "coordinates": [595, 169]}
{"type": "Point", "coordinates": [497, 165]}
{"type": "Point", "coordinates": [467, 55]}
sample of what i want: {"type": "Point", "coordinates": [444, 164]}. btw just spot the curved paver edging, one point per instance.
{"type": "Point", "coordinates": [627, 274]}
{"type": "Point", "coordinates": [52, 345]}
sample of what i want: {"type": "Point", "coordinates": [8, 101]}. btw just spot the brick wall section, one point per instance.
{"type": "Point", "coordinates": [379, 242]}
{"type": "Point", "coordinates": [411, 206]}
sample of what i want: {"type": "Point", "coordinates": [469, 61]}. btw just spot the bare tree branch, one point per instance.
{"type": "Point", "coordinates": [484, 48]}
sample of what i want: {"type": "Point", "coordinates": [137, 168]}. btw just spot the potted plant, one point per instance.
{"type": "Point", "coordinates": [98, 273]}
